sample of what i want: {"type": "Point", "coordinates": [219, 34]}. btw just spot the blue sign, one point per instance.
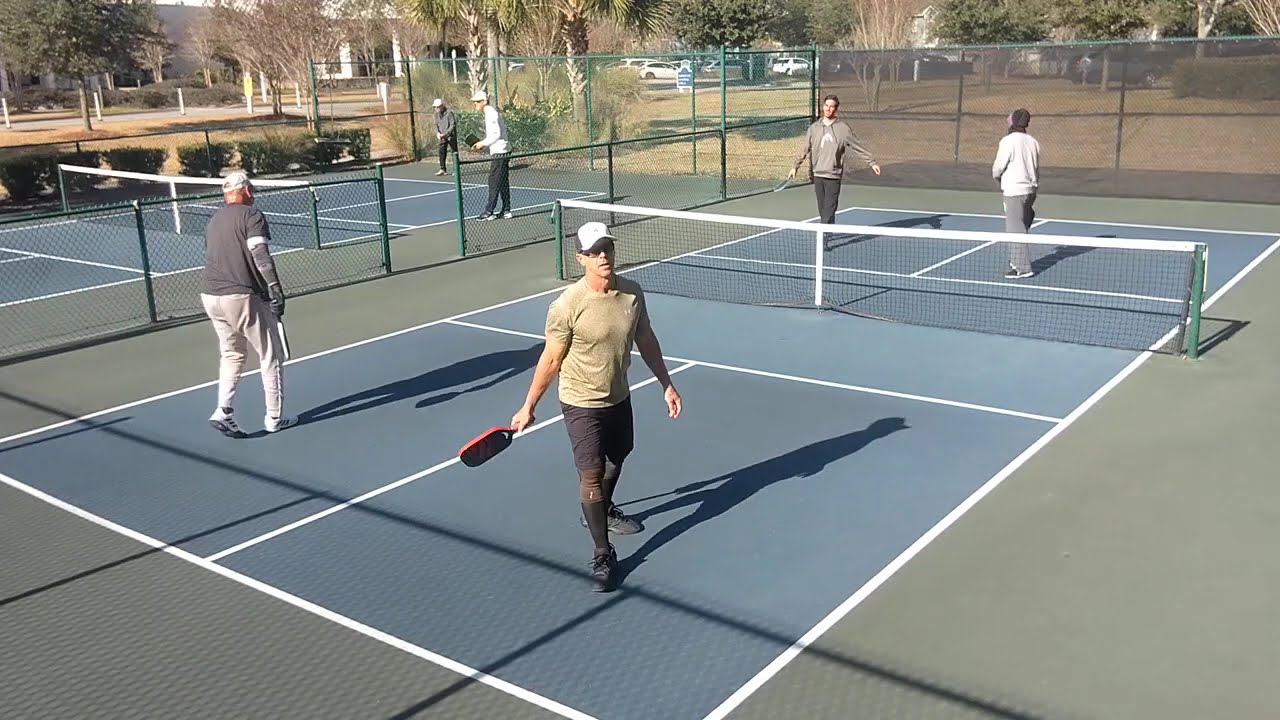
{"type": "Point", "coordinates": [684, 76]}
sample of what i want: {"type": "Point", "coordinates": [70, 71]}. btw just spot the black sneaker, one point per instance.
{"type": "Point", "coordinates": [619, 523]}
{"type": "Point", "coordinates": [604, 571]}
{"type": "Point", "coordinates": [1015, 274]}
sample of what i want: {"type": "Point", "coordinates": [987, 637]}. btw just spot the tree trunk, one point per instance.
{"type": "Point", "coordinates": [477, 64]}
{"type": "Point", "coordinates": [208, 77]}
{"type": "Point", "coordinates": [84, 104]}
{"type": "Point", "coordinates": [573, 29]}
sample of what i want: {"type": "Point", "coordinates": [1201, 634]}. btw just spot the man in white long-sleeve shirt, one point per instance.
{"type": "Point", "coordinates": [1017, 167]}
{"type": "Point", "coordinates": [495, 138]}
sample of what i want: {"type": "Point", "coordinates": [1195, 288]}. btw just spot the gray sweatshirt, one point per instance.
{"type": "Point", "coordinates": [827, 143]}
{"type": "Point", "coordinates": [445, 123]}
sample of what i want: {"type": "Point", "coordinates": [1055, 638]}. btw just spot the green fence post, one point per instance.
{"type": "Point", "coordinates": [609, 156]}
{"type": "Point", "coordinates": [555, 217]}
{"type": "Point", "coordinates": [315, 95]}
{"type": "Point", "coordinates": [959, 111]}
{"type": "Point", "coordinates": [382, 216]}
{"type": "Point", "coordinates": [413, 110]}
{"type": "Point", "coordinates": [724, 127]}
{"type": "Point", "coordinates": [1201, 255]}
{"type": "Point", "coordinates": [813, 81]}
{"type": "Point", "coordinates": [62, 189]}
{"type": "Point", "coordinates": [591, 151]}
{"type": "Point", "coordinates": [208, 154]}
{"type": "Point", "coordinates": [457, 193]}
{"type": "Point", "coordinates": [693, 114]}
{"type": "Point", "coordinates": [146, 262]}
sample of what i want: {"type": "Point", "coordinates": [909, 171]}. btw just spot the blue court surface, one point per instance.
{"type": "Point", "coordinates": [60, 256]}
{"type": "Point", "coordinates": [816, 453]}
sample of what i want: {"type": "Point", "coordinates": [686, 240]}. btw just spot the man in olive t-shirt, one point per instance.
{"type": "Point", "coordinates": [590, 330]}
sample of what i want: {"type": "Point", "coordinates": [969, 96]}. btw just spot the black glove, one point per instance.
{"type": "Point", "coordinates": [277, 301]}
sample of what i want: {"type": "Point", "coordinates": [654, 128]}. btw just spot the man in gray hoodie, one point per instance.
{"type": "Point", "coordinates": [825, 143]}
{"type": "Point", "coordinates": [446, 132]}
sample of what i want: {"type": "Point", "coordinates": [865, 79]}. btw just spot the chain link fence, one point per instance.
{"type": "Point", "coordinates": [1175, 119]}
{"type": "Point", "coordinates": [89, 273]}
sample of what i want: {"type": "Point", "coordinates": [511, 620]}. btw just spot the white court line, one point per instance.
{"type": "Point", "coordinates": [473, 186]}
{"type": "Point", "coordinates": [17, 259]}
{"type": "Point", "coordinates": [966, 253]}
{"type": "Point", "coordinates": [71, 260]}
{"type": "Point", "coordinates": [953, 258]}
{"type": "Point", "coordinates": [799, 379]}
{"type": "Point", "coordinates": [883, 273]}
{"type": "Point", "coordinates": [307, 606]}
{"type": "Point", "coordinates": [1069, 220]}
{"type": "Point", "coordinates": [392, 486]}
{"type": "Point", "coordinates": [734, 700]}
{"type": "Point", "coordinates": [880, 578]}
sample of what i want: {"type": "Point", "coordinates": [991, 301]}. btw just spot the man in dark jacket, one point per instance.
{"type": "Point", "coordinates": [446, 132]}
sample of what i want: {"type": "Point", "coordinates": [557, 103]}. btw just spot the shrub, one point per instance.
{"type": "Point", "coordinates": [1244, 78]}
{"type": "Point", "coordinates": [136, 159]}
{"type": "Point", "coordinates": [199, 159]}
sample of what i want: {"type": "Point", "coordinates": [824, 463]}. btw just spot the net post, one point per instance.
{"type": "Point", "coordinates": [62, 189]}
{"type": "Point", "coordinates": [146, 262]}
{"type": "Point", "coordinates": [380, 184]}
{"type": "Point", "coordinates": [177, 214]}
{"type": "Point", "coordinates": [818, 247]}
{"type": "Point", "coordinates": [557, 213]}
{"type": "Point", "coordinates": [457, 194]}
{"type": "Point", "coordinates": [1198, 275]}
{"type": "Point", "coordinates": [315, 218]}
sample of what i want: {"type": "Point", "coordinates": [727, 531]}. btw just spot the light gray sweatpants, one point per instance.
{"type": "Point", "coordinates": [246, 319]}
{"type": "Point", "coordinates": [1019, 214]}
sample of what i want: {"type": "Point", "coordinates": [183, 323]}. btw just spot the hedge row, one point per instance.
{"type": "Point", "coordinates": [1243, 78]}
{"type": "Point", "coordinates": [28, 176]}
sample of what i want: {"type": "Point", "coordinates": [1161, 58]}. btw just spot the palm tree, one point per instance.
{"type": "Point", "coordinates": [477, 16]}
{"type": "Point", "coordinates": [644, 16]}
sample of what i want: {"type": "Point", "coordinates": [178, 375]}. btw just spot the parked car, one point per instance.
{"type": "Point", "coordinates": [657, 69]}
{"type": "Point", "coordinates": [791, 66]}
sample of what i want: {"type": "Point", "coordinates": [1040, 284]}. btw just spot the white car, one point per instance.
{"type": "Point", "coordinates": [655, 69]}
{"type": "Point", "coordinates": [791, 66]}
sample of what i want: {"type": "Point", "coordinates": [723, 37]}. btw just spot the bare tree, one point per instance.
{"type": "Point", "coordinates": [203, 44]}
{"type": "Point", "coordinates": [539, 39]}
{"type": "Point", "coordinates": [880, 27]}
{"type": "Point", "coordinates": [1265, 15]}
{"type": "Point", "coordinates": [278, 37]}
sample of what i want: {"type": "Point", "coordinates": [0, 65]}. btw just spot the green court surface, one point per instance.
{"type": "Point", "coordinates": [1125, 570]}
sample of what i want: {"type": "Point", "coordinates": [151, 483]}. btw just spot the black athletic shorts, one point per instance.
{"type": "Point", "coordinates": [597, 434]}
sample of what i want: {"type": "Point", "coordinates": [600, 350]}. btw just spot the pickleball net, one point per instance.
{"type": "Point", "coordinates": [301, 214]}
{"type": "Point", "coordinates": [1118, 293]}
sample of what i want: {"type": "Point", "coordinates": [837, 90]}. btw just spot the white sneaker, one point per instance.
{"type": "Point", "coordinates": [224, 423]}
{"type": "Point", "coordinates": [278, 424]}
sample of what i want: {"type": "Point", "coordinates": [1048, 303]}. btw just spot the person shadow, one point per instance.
{"type": "Point", "coordinates": [719, 495]}
{"type": "Point", "coordinates": [839, 240]}
{"type": "Point", "coordinates": [491, 368]}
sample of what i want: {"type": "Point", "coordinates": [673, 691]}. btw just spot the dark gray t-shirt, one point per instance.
{"type": "Point", "coordinates": [230, 236]}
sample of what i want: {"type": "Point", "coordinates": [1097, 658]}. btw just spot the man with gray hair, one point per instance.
{"type": "Point", "coordinates": [446, 132]}
{"type": "Point", "coordinates": [244, 299]}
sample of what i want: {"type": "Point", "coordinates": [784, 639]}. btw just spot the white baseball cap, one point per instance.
{"type": "Point", "coordinates": [235, 181]}
{"type": "Point", "coordinates": [592, 234]}
{"type": "Point", "coordinates": [480, 95]}
{"type": "Point", "coordinates": [437, 103]}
